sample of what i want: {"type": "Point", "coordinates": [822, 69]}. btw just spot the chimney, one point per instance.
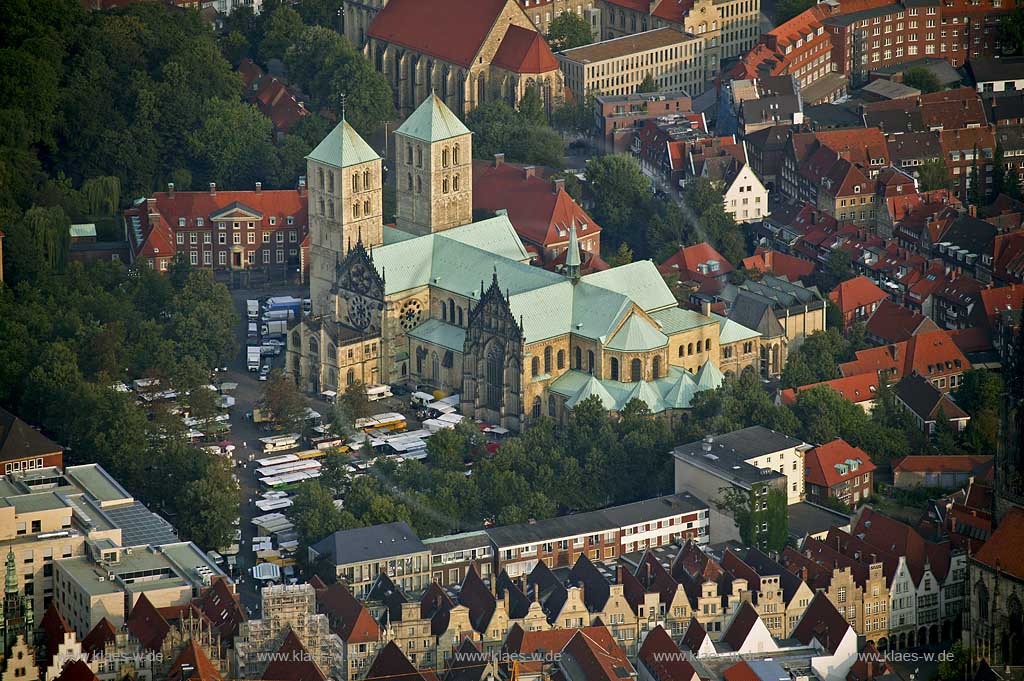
{"type": "Point", "coordinates": [302, 186]}
{"type": "Point", "coordinates": [170, 189]}
{"type": "Point", "coordinates": [973, 211]}
{"type": "Point", "coordinates": [803, 573]}
{"type": "Point", "coordinates": [259, 187]}
{"type": "Point", "coordinates": [213, 189]}
{"type": "Point", "coordinates": [705, 308]}
{"type": "Point", "coordinates": [529, 171]}
{"type": "Point", "coordinates": [557, 185]}
{"type": "Point", "coordinates": [498, 159]}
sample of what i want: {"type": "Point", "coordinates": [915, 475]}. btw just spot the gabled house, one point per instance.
{"type": "Point", "coordinates": [660, 659]}
{"type": "Point", "coordinates": [746, 633]}
{"type": "Point", "coordinates": [857, 299]}
{"type": "Point", "coordinates": [823, 628]}
{"type": "Point", "coordinates": [932, 354]}
{"type": "Point", "coordinates": [838, 470]}
{"type": "Point", "coordinates": [928, 404]}
{"type": "Point", "coordinates": [861, 389]}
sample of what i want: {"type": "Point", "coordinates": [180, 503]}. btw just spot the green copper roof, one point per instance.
{"type": "Point", "coordinates": [432, 121]}
{"type": "Point", "coordinates": [637, 335]}
{"type": "Point", "coordinates": [590, 388]}
{"type": "Point", "coordinates": [439, 333]}
{"type": "Point", "coordinates": [343, 148]}
{"type": "Point", "coordinates": [730, 331]}
{"type": "Point", "coordinates": [646, 393]}
{"type": "Point", "coordinates": [640, 281]}
{"type": "Point", "coordinates": [709, 377]}
{"type": "Point", "coordinates": [572, 256]}
{"type": "Point", "coordinates": [676, 319]}
{"type": "Point", "coordinates": [681, 394]}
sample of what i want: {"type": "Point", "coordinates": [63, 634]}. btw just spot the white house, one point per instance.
{"type": "Point", "coordinates": [825, 630]}
{"type": "Point", "coordinates": [902, 601]}
{"type": "Point", "coordinates": [745, 197]}
{"type": "Point", "coordinates": [696, 639]}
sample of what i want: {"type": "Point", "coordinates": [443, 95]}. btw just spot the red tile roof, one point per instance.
{"type": "Point", "coordinates": [538, 214]}
{"type": "Point", "coordinates": [869, 655]}
{"type": "Point", "coordinates": [931, 354]}
{"type": "Point", "coordinates": [740, 671]}
{"type": "Point", "coordinates": [1002, 550]}
{"type": "Point", "coordinates": [350, 619]}
{"type": "Point", "coordinates": [526, 643]}
{"type": "Point", "coordinates": [895, 537]}
{"type": "Point", "coordinates": [857, 388]}
{"type": "Point", "coordinates": [824, 460]}
{"type": "Point", "coordinates": [524, 51]}
{"type": "Point", "coordinates": [856, 293]}
{"type": "Point", "coordinates": [249, 71]}
{"type": "Point", "coordinates": [996, 300]}
{"type": "Point", "coordinates": [428, 27]}
{"type": "Point", "coordinates": [689, 259]}
{"type": "Point", "coordinates": [77, 671]}
{"type": "Point", "coordinates": [1008, 257]}
{"type": "Point", "coordinates": [294, 663]}
{"type": "Point", "coordinates": [822, 622]}
{"type": "Point", "coordinates": [941, 463]}
{"type": "Point", "coordinates": [97, 639]}
{"type": "Point", "coordinates": [192, 664]}
{"type": "Point", "coordinates": [222, 606]}
{"type": "Point", "coordinates": [894, 323]}
{"type": "Point", "coordinates": [598, 660]}
{"type": "Point", "coordinates": [779, 264]}
{"type": "Point", "coordinates": [146, 624]}
{"type": "Point", "coordinates": [662, 657]}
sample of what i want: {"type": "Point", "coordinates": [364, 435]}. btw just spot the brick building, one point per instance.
{"type": "Point", "coordinates": [220, 230]}
{"type": "Point", "coordinates": [22, 448]}
{"type": "Point", "coordinates": [838, 470]}
{"type": "Point", "coordinates": [619, 116]}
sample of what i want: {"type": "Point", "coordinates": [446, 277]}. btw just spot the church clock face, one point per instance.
{"type": "Point", "coordinates": [411, 313]}
{"type": "Point", "coordinates": [359, 313]}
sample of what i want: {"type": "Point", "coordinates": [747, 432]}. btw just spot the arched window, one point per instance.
{"type": "Point", "coordinates": [547, 360]}
{"type": "Point", "coordinates": [444, 157]}
{"type": "Point", "coordinates": [366, 179]}
{"type": "Point", "coordinates": [656, 367]}
{"type": "Point", "coordinates": [636, 370]}
{"type": "Point", "coordinates": [314, 346]}
{"type": "Point", "coordinates": [536, 407]}
{"type": "Point", "coordinates": [350, 377]}
{"type": "Point", "coordinates": [451, 310]}
{"type": "Point", "coordinates": [707, 344]}
{"type": "Point", "coordinates": [455, 155]}
{"type": "Point", "coordinates": [551, 406]}
{"type": "Point", "coordinates": [689, 349]}
{"type": "Point", "coordinates": [366, 207]}
{"type": "Point", "coordinates": [444, 186]}
{"type": "Point", "coordinates": [455, 183]}
{"type": "Point", "coordinates": [419, 185]}
{"type": "Point", "coordinates": [680, 350]}
{"type": "Point", "coordinates": [495, 376]}
{"type": "Point", "coordinates": [590, 361]}
{"type": "Point", "coordinates": [419, 361]}
{"type": "Point", "coordinates": [579, 357]}
{"type": "Point", "coordinates": [320, 174]}
{"type": "Point", "coordinates": [615, 368]}
{"type": "Point", "coordinates": [355, 209]}
{"type": "Point", "coordinates": [982, 601]}
{"type": "Point", "coordinates": [535, 366]}
{"type": "Point", "coordinates": [321, 205]}
{"type": "Point", "coordinates": [560, 359]}
{"type": "Point", "coordinates": [332, 352]}
{"type": "Point", "coordinates": [444, 312]}
{"type": "Point", "coordinates": [355, 182]}
{"type": "Point", "coordinates": [460, 315]}
{"type": "Point", "coordinates": [330, 182]}
{"type": "Point", "coordinates": [408, 154]}
{"type": "Point", "coordinates": [408, 181]}
{"type": "Point", "coordinates": [419, 157]}
{"type": "Point", "coordinates": [296, 340]}
{"type": "Point", "coordinates": [330, 209]}
{"type": "Point", "coordinates": [435, 367]}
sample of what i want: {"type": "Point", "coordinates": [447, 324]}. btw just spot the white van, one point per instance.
{"type": "Point", "coordinates": [420, 399]}
{"type": "Point", "coordinates": [377, 392]}
{"type": "Point", "coordinates": [329, 396]}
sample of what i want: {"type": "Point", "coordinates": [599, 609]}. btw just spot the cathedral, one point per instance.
{"type": "Point", "coordinates": [441, 300]}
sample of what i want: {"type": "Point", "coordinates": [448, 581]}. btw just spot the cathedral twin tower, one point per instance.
{"type": "Point", "coordinates": [433, 181]}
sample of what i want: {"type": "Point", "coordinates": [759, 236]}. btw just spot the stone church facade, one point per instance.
{"type": "Point", "coordinates": [443, 301]}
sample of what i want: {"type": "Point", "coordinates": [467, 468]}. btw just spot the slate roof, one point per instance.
{"type": "Point", "coordinates": [100, 635]}
{"type": "Point", "coordinates": [694, 636]}
{"type": "Point", "coordinates": [432, 121]}
{"type": "Point", "coordinates": [77, 670]}
{"type": "Point", "coordinates": [349, 618]}
{"type": "Point", "coordinates": [146, 624]}
{"type": "Point", "coordinates": [821, 621]}
{"type": "Point", "coordinates": [343, 147]}
{"type": "Point", "coordinates": [18, 440]}
{"type": "Point", "coordinates": [376, 542]}
{"type": "Point", "coordinates": [925, 400]}
{"type": "Point", "coordinates": [1002, 550]}
{"type": "Point", "coordinates": [192, 664]}
{"type": "Point", "coordinates": [742, 623]}
{"type": "Point", "coordinates": [294, 663]}
{"type": "Point", "coordinates": [598, 661]}
{"type": "Point", "coordinates": [661, 656]}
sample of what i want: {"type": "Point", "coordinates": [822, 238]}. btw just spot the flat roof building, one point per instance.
{"type": "Point", "coordinates": [48, 515]}
{"type": "Point", "coordinates": [618, 66]}
{"type": "Point", "coordinates": [109, 579]}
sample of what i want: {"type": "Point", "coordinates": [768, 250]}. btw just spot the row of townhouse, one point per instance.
{"type": "Point", "coordinates": [360, 555]}
{"type": "Point", "coordinates": [896, 588]}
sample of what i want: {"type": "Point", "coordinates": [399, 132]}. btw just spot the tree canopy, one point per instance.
{"type": "Point", "coordinates": [922, 79]}
{"type": "Point", "coordinates": [522, 135]}
{"type": "Point", "coordinates": [569, 30]}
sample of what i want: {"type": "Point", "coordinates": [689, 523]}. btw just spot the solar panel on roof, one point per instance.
{"type": "Point", "coordinates": [139, 526]}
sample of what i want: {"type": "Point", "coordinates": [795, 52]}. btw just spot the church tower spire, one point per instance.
{"type": "Point", "coordinates": [572, 255]}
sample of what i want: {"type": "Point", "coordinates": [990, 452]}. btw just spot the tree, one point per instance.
{"type": "Point", "coordinates": [354, 400]}
{"type": "Point", "coordinates": [776, 517]}
{"type": "Point", "coordinates": [1011, 33]}
{"type": "Point", "coordinates": [647, 84]}
{"type": "Point", "coordinates": [975, 188]}
{"type": "Point", "coordinates": [738, 503]}
{"type": "Point", "coordinates": [37, 245]}
{"type": "Point", "coordinates": [622, 256]}
{"type": "Point", "coordinates": [838, 268]}
{"type": "Point", "coordinates": [958, 665]}
{"type": "Point", "coordinates": [575, 115]}
{"type": "Point", "coordinates": [284, 29]}
{"type": "Point", "coordinates": [1000, 181]}
{"type": "Point", "coordinates": [282, 398]}
{"type": "Point", "coordinates": [934, 175]}
{"type": "Point", "coordinates": [234, 147]}
{"type": "Point", "coordinates": [208, 504]}
{"type": "Point", "coordinates": [522, 136]}
{"type": "Point", "coordinates": [622, 194]}
{"type": "Point", "coordinates": [816, 359]}
{"type": "Point", "coordinates": [569, 30]}
{"type": "Point", "coordinates": [235, 47]}
{"type": "Point", "coordinates": [787, 9]}
{"type": "Point", "coordinates": [944, 437]}
{"type": "Point", "coordinates": [922, 79]}
{"type": "Point", "coordinates": [447, 452]}
{"type": "Point", "coordinates": [315, 516]}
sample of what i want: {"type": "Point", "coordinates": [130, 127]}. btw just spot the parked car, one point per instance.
{"type": "Point", "coordinates": [274, 341]}
{"type": "Point", "coordinates": [264, 372]}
